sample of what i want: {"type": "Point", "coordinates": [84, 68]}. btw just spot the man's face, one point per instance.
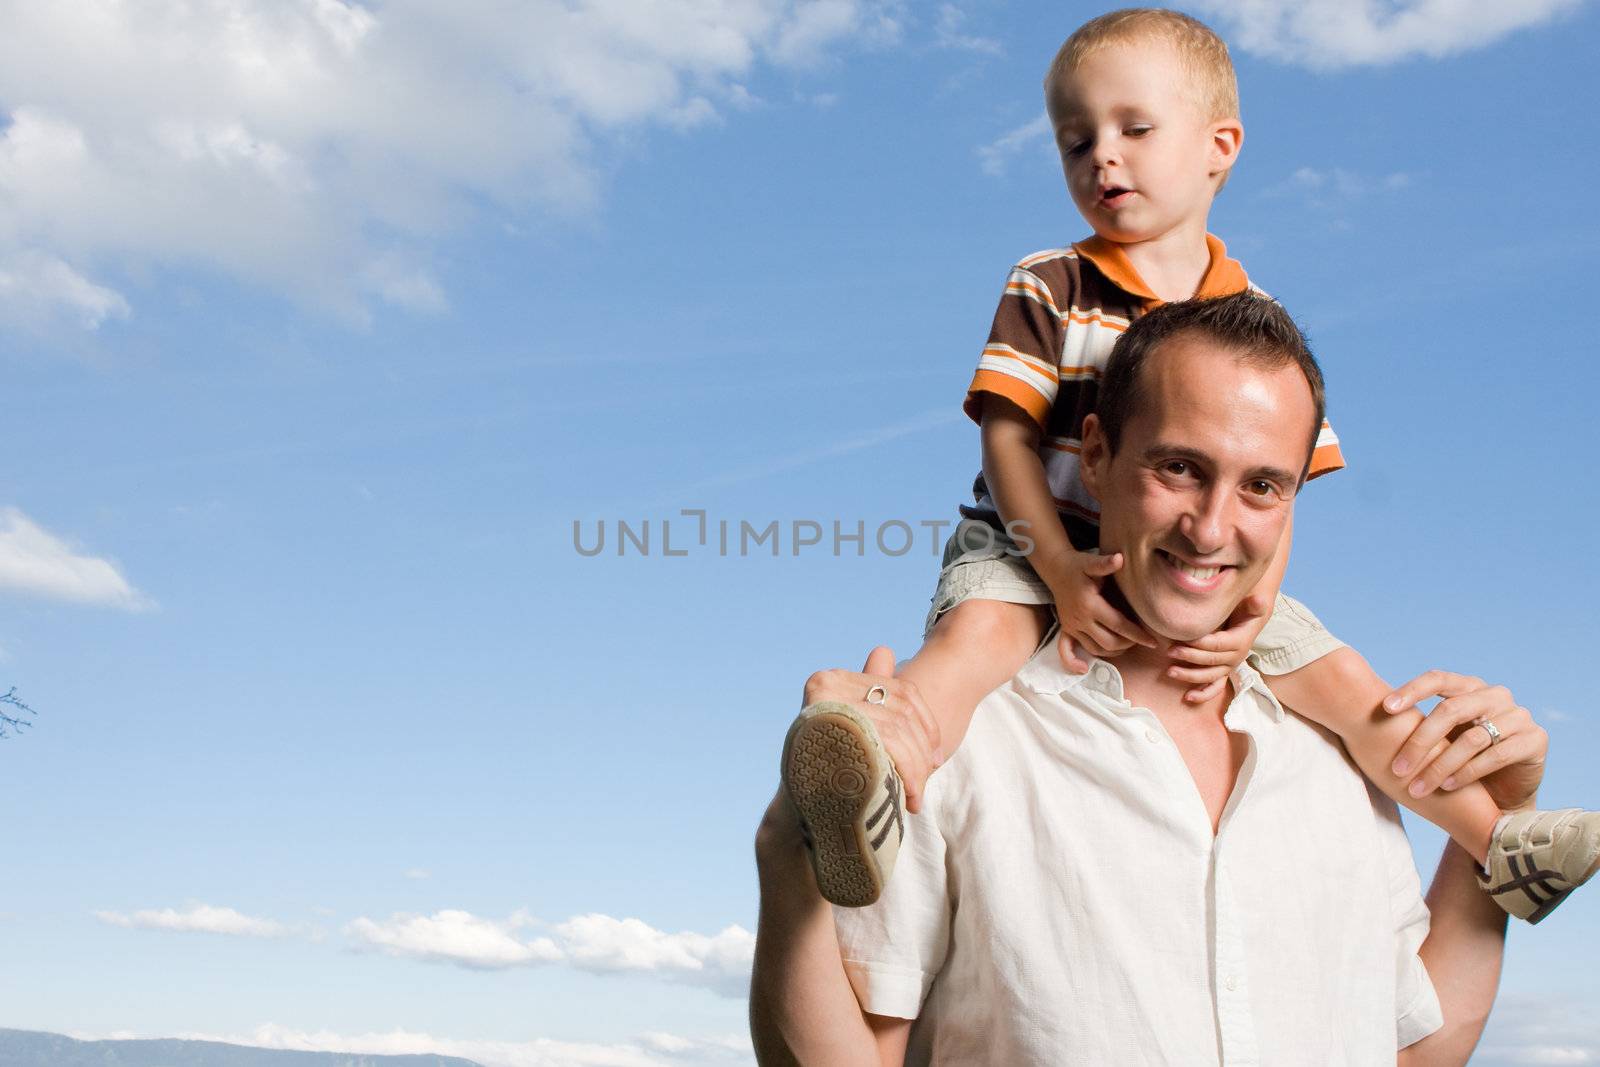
{"type": "Point", "coordinates": [1140, 157]}
{"type": "Point", "coordinates": [1202, 483]}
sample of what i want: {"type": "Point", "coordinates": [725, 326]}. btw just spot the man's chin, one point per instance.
{"type": "Point", "coordinates": [1185, 625]}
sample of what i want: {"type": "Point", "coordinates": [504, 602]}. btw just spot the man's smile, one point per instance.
{"type": "Point", "coordinates": [1193, 577]}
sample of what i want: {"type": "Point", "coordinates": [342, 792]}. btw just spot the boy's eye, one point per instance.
{"type": "Point", "coordinates": [1077, 148]}
{"type": "Point", "coordinates": [1137, 130]}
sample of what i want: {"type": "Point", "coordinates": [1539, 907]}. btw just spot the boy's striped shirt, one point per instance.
{"type": "Point", "coordinates": [1061, 312]}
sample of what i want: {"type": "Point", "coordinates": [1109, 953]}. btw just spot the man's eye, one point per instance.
{"type": "Point", "coordinates": [1176, 467]}
{"type": "Point", "coordinates": [1261, 487]}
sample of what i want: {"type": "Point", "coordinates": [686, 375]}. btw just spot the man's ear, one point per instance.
{"type": "Point", "coordinates": [1094, 453]}
{"type": "Point", "coordinates": [1227, 137]}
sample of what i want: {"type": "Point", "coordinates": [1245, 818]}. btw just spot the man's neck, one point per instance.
{"type": "Point", "coordinates": [1174, 263]}
{"type": "Point", "coordinates": [1146, 684]}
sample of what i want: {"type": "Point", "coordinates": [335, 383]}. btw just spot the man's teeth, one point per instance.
{"type": "Point", "coordinates": [1203, 574]}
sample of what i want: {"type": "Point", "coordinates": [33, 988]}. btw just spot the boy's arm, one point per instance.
{"type": "Point", "coordinates": [1016, 479]}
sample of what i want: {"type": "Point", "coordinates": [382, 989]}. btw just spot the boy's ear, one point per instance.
{"type": "Point", "coordinates": [1227, 137]}
{"type": "Point", "coordinates": [1092, 455]}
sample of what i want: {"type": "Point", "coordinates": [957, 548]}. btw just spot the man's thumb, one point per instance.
{"type": "Point", "coordinates": [880, 661]}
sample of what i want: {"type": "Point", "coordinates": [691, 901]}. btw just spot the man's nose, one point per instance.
{"type": "Point", "coordinates": [1205, 525]}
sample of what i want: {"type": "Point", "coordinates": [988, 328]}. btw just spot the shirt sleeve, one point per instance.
{"type": "Point", "coordinates": [1326, 456]}
{"type": "Point", "coordinates": [893, 949]}
{"type": "Point", "coordinates": [1417, 1011]}
{"type": "Point", "coordinates": [1021, 358]}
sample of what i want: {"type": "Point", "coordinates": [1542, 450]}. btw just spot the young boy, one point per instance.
{"type": "Point", "coordinates": [1145, 108]}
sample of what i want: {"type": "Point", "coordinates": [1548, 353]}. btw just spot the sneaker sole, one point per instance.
{"type": "Point", "coordinates": [830, 768]}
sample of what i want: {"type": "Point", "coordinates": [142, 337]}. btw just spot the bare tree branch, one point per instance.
{"type": "Point", "coordinates": [12, 713]}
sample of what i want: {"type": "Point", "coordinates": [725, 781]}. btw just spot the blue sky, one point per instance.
{"type": "Point", "coordinates": [321, 325]}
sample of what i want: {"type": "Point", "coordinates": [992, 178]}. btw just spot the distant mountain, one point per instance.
{"type": "Point", "coordinates": [31, 1048]}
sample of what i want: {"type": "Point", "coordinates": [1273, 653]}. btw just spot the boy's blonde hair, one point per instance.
{"type": "Point", "coordinates": [1200, 51]}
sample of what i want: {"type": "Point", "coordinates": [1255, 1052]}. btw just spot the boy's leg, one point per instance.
{"type": "Point", "coordinates": [1532, 859]}
{"type": "Point", "coordinates": [972, 649]}
{"type": "Point", "coordinates": [1341, 692]}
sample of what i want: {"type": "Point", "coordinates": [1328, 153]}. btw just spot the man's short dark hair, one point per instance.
{"type": "Point", "coordinates": [1254, 328]}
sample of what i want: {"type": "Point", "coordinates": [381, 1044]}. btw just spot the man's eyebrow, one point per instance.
{"type": "Point", "coordinates": [1159, 451]}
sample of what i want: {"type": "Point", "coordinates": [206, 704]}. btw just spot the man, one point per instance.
{"type": "Point", "coordinates": [1106, 874]}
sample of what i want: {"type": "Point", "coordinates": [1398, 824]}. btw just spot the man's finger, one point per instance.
{"type": "Point", "coordinates": [911, 758]}
{"type": "Point", "coordinates": [1472, 741]}
{"type": "Point", "coordinates": [1452, 712]}
{"type": "Point", "coordinates": [918, 708]}
{"type": "Point", "coordinates": [880, 661]}
{"type": "Point", "coordinates": [1430, 684]}
{"type": "Point", "coordinates": [1515, 749]}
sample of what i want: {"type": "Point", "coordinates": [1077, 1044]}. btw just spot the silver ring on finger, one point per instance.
{"type": "Point", "coordinates": [1489, 728]}
{"type": "Point", "coordinates": [877, 695]}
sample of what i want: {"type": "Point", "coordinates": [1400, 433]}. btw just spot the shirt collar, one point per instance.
{"type": "Point", "coordinates": [1045, 674]}
{"type": "Point", "coordinates": [1223, 277]}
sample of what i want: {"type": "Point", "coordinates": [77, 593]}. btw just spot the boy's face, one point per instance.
{"type": "Point", "coordinates": [1140, 156]}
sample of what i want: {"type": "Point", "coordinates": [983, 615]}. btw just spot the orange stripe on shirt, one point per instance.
{"type": "Point", "coordinates": [1015, 390]}
{"type": "Point", "coordinates": [1325, 459]}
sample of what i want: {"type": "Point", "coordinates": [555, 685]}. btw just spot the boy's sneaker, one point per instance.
{"type": "Point", "coordinates": [851, 806]}
{"type": "Point", "coordinates": [1537, 857]}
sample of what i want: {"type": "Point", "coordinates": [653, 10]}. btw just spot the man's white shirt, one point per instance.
{"type": "Point", "coordinates": [1063, 900]}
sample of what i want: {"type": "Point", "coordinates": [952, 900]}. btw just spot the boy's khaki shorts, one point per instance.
{"type": "Point", "coordinates": [982, 563]}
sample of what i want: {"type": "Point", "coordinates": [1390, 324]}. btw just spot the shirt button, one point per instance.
{"type": "Point", "coordinates": [1152, 737]}
{"type": "Point", "coordinates": [1232, 983]}
{"type": "Point", "coordinates": [1102, 674]}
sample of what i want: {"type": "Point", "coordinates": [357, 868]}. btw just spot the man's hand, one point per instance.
{"type": "Point", "coordinates": [1216, 656]}
{"type": "Point", "coordinates": [1088, 621]}
{"type": "Point", "coordinates": [908, 730]}
{"type": "Point", "coordinates": [1448, 749]}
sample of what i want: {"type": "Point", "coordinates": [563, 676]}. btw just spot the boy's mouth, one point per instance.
{"type": "Point", "coordinates": [1115, 195]}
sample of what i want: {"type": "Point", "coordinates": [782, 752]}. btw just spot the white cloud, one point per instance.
{"type": "Point", "coordinates": [949, 32]}
{"type": "Point", "coordinates": [650, 1050]}
{"type": "Point", "coordinates": [324, 149]}
{"type": "Point", "coordinates": [595, 943]}
{"type": "Point", "coordinates": [1337, 33]}
{"type": "Point", "coordinates": [997, 155]}
{"type": "Point", "coordinates": [1336, 187]}
{"type": "Point", "coordinates": [601, 943]}
{"type": "Point", "coordinates": [455, 937]}
{"type": "Point", "coordinates": [197, 918]}
{"type": "Point", "coordinates": [1538, 1031]}
{"type": "Point", "coordinates": [35, 561]}
{"type": "Point", "coordinates": [418, 874]}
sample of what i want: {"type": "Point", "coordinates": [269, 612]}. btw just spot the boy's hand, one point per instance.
{"type": "Point", "coordinates": [1088, 621]}
{"type": "Point", "coordinates": [1215, 657]}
